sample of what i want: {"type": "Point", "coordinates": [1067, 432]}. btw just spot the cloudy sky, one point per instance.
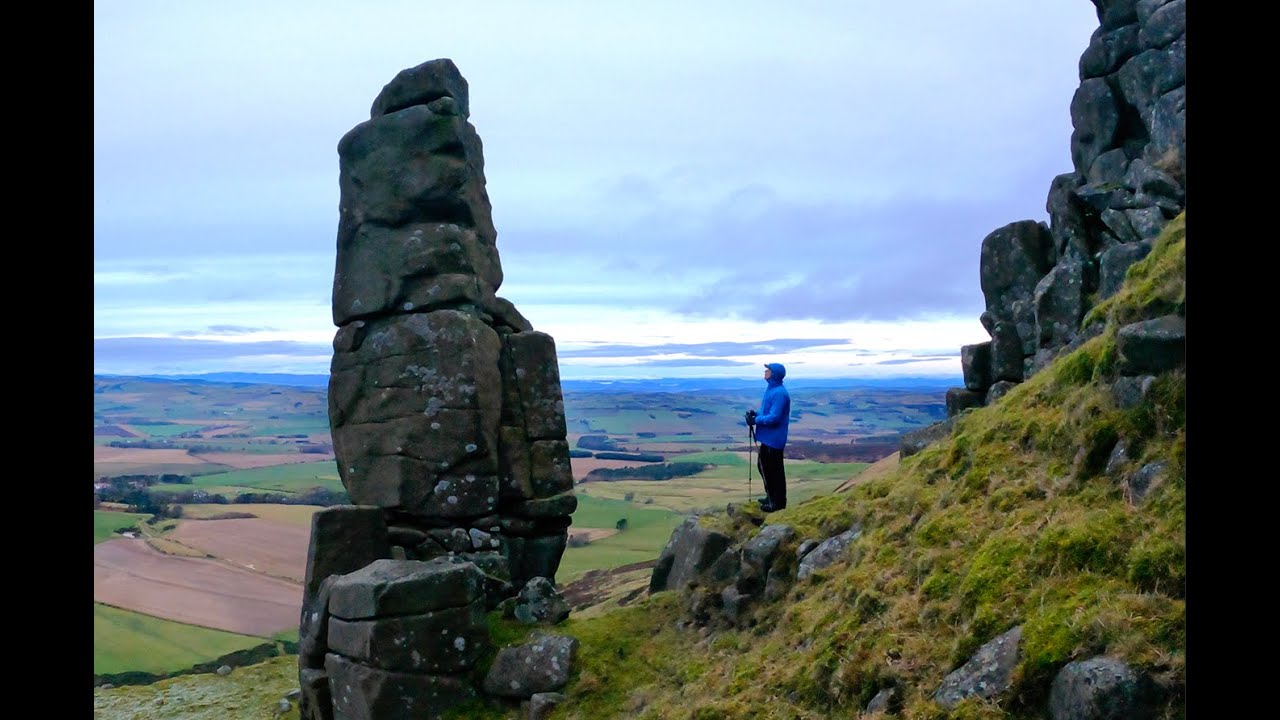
{"type": "Point", "coordinates": [680, 188]}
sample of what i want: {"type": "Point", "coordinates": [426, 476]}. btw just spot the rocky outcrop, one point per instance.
{"type": "Point", "coordinates": [690, 550]}
{"type": "Point", "coordinates": [1128, 150]}
{"type": "Point", "coordinates": [721, 580]}
{"type": "Point", "coordinates": [447, 419]}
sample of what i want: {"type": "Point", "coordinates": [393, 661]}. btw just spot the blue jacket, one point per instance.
{"type": "Point", "coordinates": [775, 410]}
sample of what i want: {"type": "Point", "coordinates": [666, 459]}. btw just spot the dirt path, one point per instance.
{"type": "Point", "coordinates": [129, 574]}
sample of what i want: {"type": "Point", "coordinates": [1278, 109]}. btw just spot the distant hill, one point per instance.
{"type": "Point", "coordinates": [594, 386]}
{"type": "Point", "coordinates": [754, 383]}
{"type": "Point", "coordinates": [238, 378]}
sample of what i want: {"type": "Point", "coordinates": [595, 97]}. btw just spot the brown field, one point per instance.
{"type": "Point", "coordinates": [220, 430]}
{"type": "Point", "coordinates": [582, 466]}
{"type": "Point", "coordinates": [143, 456]}
{"type": "Point", "coordinates": [592, 534]}
{"type": "Point", "coordinates": [246, 461]}
{"type": "Point", "coordinates": [299, 515]}
{"type": "Point", "coordinates": [266, 546]}
{"type": "Point", "coordinates": [129, 574]}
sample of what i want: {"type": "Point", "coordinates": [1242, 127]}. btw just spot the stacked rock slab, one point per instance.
{"type": "Point", "coordinates": [1128, 148]}
{"type": "Point", "coordinates": [402, 637]}
{"type": "Point", "coordinates": [444, 403]}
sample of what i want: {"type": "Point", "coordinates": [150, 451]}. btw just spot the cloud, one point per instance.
{"type": "Point", "coordinates": [924, 358]}
{"type": "Point", "coordinates": [225, 330]}
{"type": "Point", "coordinates": [692, 362]}
{"type": "Point", "coordinates": [710, 349]}
{"type": "Point", "coordinates": [112, 354]}
{"type": "Point", "coordinates": [839, 162]}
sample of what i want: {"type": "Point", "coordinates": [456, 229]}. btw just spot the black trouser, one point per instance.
{"type": "Point", "coordinates": [773, 475]}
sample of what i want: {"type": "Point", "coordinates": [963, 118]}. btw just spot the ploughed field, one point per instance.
{"type": "Point", "coordinates": [206, 592]}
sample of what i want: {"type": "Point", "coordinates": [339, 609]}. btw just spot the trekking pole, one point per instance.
{"type": "Point", "coordinates": [751, 445]}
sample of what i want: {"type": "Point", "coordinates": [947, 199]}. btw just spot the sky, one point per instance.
{"type": "Point", "coordinates": [680, 189]}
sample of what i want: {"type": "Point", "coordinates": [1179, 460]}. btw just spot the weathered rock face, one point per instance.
{"type": "Point", "coordinates": [447, 419]}
{"type": "Point", "coordinates": [445, 404]}
{"type": "Point", "coordinates": [1128, 149]}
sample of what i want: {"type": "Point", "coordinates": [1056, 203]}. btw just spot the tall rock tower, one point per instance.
{"type": "Point", "coordinates": [447, 418]}
{"type": "Point", "coordinates": [1128, 148]}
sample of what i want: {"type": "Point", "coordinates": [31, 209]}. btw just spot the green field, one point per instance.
{"type": "Point", "coordinates": [106, 523]}
{"type": "Point", "coordinates": [714, 458]}
{"type": "Point", "coordinates": [648, 530]}
{"type": "Point", "coordinates": [124, 641]}
{"type": "Point", "coordinates": [291, 478]}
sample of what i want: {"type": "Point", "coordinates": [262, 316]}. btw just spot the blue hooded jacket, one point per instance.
{"type": "Point", "coordinates": [775, 410]}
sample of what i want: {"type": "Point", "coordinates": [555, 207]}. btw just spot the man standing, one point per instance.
{"type": "Point", "coordinates": [771, 432]}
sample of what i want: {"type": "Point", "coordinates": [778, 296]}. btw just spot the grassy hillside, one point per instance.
{"type": "Point", "coordinates": [248, 693]}
{"type": "Point", "coordinates": [1013, 520]}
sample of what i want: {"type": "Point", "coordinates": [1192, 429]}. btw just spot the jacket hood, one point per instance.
{"type": "Point", "coordinates": [777, 372]}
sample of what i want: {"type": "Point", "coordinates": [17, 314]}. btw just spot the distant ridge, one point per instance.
{"type": "Point", "coordinates": [631, 385]}
{"type": "Point", "coordinates": [236, 377]}
{"type": "Point", "coordinates": [627, 385]}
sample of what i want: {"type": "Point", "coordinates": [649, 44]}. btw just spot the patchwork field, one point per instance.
{"type": "Point", "coordinates": [131, 575]}
{"type": "Point", "coordinates": [280, 478]}
{"type": "Point", "coordinates": [241, 575]}
{"type": "Point", "coordinates": [724, 483]}
{"type": "Point", "coordinates": [647, 531]}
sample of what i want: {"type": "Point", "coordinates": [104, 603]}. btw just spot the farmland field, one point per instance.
{"type": "Point", "coordinates": [106, 523]}
{"type": "Point", "coordinates": [130, 574]}
{"type": "Point", "coordinates": [287, 478]}
{"type": "Point", "coordinates": [726, 482]}
{"type": "Point", "coordinates": [125, 641]}
{"type": "Point", "coordinates": [647, 531]}
{"type": "Point", "coordinates": [267, 546]}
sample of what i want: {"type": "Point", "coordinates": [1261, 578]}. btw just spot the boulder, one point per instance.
{"type": "Point", "coordinates": [985, 675]}
{"type": "Point", "coordinates": [828, 552]}
{"type": "Point", "coordinates": [540, 666]}
{"type": "Point", "coordinates": [1101, 688]}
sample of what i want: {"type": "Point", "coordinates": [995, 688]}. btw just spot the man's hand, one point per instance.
{"type": "Point", "coordinates": [751, 418]}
